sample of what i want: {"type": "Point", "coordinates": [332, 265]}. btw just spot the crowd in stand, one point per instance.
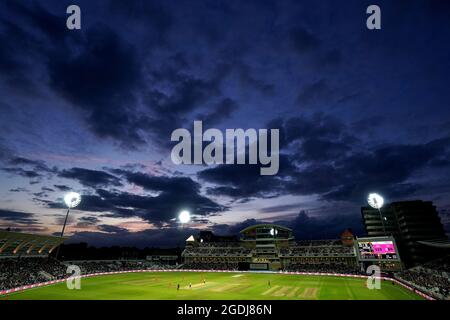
{"type": "Point", "coordinates": [220, 244]}
{"type": "Point", "coordinates": [210, 266]}
{"type": "Point", "coordinates": [441, 266]}
{"type": "Point", "coordinates": [323, 268]}
{"type": "Point", "coordinates": [20, 272]}
{"type": "Point", "coordinates": [432, 277]}
{"type": "Point", "coordinates": [318, 251]}
{"type": "Point", "coordinates": [212, 251]}
{"type": "Point", "coordinates": [88, 267]}
{"type": "Point", "coordinates": [313, 243]}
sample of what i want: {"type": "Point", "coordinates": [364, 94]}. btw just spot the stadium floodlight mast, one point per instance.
{"type": "Point", "coordinates": [376, 201]}
{"type": "Point", "coordinates": [72, 199]}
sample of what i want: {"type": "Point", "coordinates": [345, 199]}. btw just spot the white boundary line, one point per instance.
{"type": "Point", "coordinates": [42, 284]}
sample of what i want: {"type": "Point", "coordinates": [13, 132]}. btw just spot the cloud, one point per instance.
{"type": "Point", "coordinates": [169, 196]}
{"type": "Point", "coordinates": [322, 157]}
{"type": "Point", "coordinates": [111, 229]}
{"type": "Point", "coordinates": [17, 216]}
{"type": "Point", "coordinates": [303, 41]}
{"type": "Point", "coordinates": [110, 71]}
{"type": "Point", "coordinates": [90, 178]}
{"type": "Point", "coordinates": [19, 190]}
{"type": "Point", "coordinates": [245, 180]}
{"type": "Point", "coordinates": [61, 187]}
{"type": "Point", "coordinates": [22, 172]}
{"type": "Point", "coordinates": [223, 110]}
{"type": "Point", "coordinates": [313, 93]}
{"type": "Point", "coordinates": [304, 226]}
{"type": "Point", "coordinates": [162, 237]}
{"type": "Point", "coordinates": [28, 168]}
{"type": "Point", "coordinates": [87, 221]}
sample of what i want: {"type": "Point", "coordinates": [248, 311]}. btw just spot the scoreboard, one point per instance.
{"type": "Point", "coordinates": [377, 249]}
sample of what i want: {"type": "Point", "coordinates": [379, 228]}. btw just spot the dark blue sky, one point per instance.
{"type": "Point", "coordinates": [92, 110]}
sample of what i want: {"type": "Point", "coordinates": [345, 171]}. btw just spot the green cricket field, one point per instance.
{"type": "Point", "coordinates": [217, 285]}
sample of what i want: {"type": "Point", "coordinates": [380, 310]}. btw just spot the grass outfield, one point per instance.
{"type": "Point", "coordinates": [227, 286]}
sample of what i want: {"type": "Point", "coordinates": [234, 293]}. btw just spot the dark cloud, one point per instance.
{"type": "Point", "coordinates": [245, 181]}
{"type": "Point", "coordinates": [163, 237]}
{"type": "Point", "coordinates": [19, 190]}
{"type": "Point", "coordinates": [331, 58]}
{"type": "Point", "coordinates": [61, 187]}
{"type": "Point", "coordinates": [304, 226]}
{"type": "Point", "coordinates": [303, 40]}
{"type": "Point", "coordinates": [173, 194]}
{"type": "Point", "coordinates": [327, 160]}
{"type": "Point", "coordinates": [162, 183]}
{"type": "Point", "coordinates": [223, 110]}
{"type": "Point", "coordinates": [111, 229]}
{"type": "Point", "coordinates": [28, 168]}
{"type": "Point", "coordinates": [152, 14]}
{"type": "Point", "coordinates": [322, 149]}
{"type": "Point", "coordinates": [100, 79]}
{"type": "Point", "coordinates": [313, 93]}
{"type": "Point", "coordinates": [161, 208]}
{"type": "Point", "coordinates": [41, 194]}
{"type": "Point", "coordinates": [17, 216]}
{"type": "Point", "coordinates": [319, 125]}
{"type": "Point", "coordinates": [234, 229]}
{"type": "Point", "coordinates": [87, 221]}
{"type": "Point", "coordinates": [90, 178]}
{"type": "Point", "coordinates": [246, 77]}
{"type": "Point", "coordinates": [22, 172]}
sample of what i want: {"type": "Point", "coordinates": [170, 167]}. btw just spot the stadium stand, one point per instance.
{"type": "Point", "coordinates": [432, 277]}
{"type": "Point", "coordinates": [323, 268]}
{"type": "Point", "coordinates": [26, 271]}
{"type": "Point", "coordinates": [271, 247]}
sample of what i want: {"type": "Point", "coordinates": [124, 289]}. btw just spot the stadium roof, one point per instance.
{"type": "Point", "coordinates": [15, 244]}
{"type": "Point", "coordinates": [438, 243]}
{"type": "Point", "coordinates": [269, 225]}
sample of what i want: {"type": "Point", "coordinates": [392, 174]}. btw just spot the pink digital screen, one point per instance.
{"type": "Point", "coordinates": [383, 247]}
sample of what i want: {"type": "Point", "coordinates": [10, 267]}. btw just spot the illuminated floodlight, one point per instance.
{"type": "Point", "coordinates": [273, 232]}
{"type": "Point", "coordinates": [375, 200]}
{"type": "Point", "coordinates": [72, 199]}
{"type": "Point", "coordinates": [184, 216]}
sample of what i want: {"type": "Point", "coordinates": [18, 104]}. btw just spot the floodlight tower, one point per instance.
{"type": "Point", "coordinates": [72, 199]}
{"type": "Point", "coordinates": [376, 201]}
{"type": "Point", "coordinates": [184, 217]}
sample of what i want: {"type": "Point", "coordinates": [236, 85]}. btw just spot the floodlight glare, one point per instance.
{"type": "Point", "coordinates": [72, 199]}
{"type": "Point", "coordinates": [375, 200]}
{"type": "Point", "coordinates": [184, 216]}
{"type": "Point", "coordinates": [273, 232]}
